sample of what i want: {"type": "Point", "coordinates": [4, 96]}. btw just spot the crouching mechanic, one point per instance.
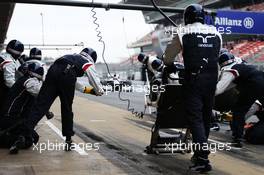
{"type": "Point", "coordinates": [254, 129]}
{"type": "Point", "coordinates": [8, 67]}
{"type": "Point", "coordinates": [34, 57]}
{"type": "Point", "coordinates": [61, 81]}
{"type": "Point", "coordinates": [249, 82]}
{"type": "Point", "coordinates": [17, 107]}
{"type": "Point", "coordinates": [200, 45]}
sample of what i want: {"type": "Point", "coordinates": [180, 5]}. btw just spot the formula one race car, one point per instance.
{"type": "Point", "coordinates": [171, 127]}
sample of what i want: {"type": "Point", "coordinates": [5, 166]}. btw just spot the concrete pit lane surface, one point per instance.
{"type": "Point", "coordinates": [110, 140]}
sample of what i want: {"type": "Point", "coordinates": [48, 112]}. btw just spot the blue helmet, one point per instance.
{"type": "Point", "coordinates": [35, 54]}
{"type": "Point", "coordinates": [194, 13]}
{"type": "Point", "coordinates": [143, 58]}
{"type": "Point", "coordinates": [15, 48]}
{"type": "Point", "coordinates": [157, 65]}
{"type": "Point", "coordinates": [89, 52]}
{"type": "Point", "coordinates": [223, 50]}
{"type": "Point", "coordinates": [226, 59]}
{"type": "Point", "coordinates": [35, 69]}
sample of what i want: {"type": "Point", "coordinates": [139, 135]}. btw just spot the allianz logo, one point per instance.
{"type": "Point", "coordinates": [248, 22]}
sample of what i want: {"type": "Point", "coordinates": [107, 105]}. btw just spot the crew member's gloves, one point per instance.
{"type": "Point", "coordinates": [89, 90]}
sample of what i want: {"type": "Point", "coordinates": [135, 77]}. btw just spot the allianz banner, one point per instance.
{"type": "Point", "coordinates": [239, 22]}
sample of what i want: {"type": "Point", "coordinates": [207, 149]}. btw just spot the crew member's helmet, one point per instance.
{"type": "Point", "coordinates": [15, 48]}
{"type": "Point", "coordinates": [226, 59]}
{"type": "Point", "coordinates": [157, 65]}
{"type": "Point", "coordinates": [143, 58]}
{"type": "Point", "coordinates": [35, 54]}
{"type": "Point", "coordinates": [89, 52]}
{"type": "Point", "coordinates": [194, 13]}
{"type": "Point", "coordinates": [35, 69]}
{"type": "Point", "coordinates": [223, 50]}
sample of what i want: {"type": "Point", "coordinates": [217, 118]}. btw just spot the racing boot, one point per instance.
{"type": "Point", "coordinates": [200, 165]}
{"type": "Point", "coordinates": [237, 143]}
{"type": "Point", "coordinates": [68, 144]}
{"type": "Point", "coordinates": [19, 144]}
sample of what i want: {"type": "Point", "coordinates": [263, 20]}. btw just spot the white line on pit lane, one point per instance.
{"type": "Point", "coordinates": [97, 120]}
{"type": "Point", "coordinates": [58, 132]}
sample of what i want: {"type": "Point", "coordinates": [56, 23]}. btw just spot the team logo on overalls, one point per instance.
{"type": "Point", "coordinates": [205, 41]}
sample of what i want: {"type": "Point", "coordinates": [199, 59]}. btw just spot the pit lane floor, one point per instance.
{"type": "Point", "coordinates": [122, 139]}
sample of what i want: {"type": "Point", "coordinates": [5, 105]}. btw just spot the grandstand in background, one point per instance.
{"type": "Point", "coordinates": [248, 47]}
